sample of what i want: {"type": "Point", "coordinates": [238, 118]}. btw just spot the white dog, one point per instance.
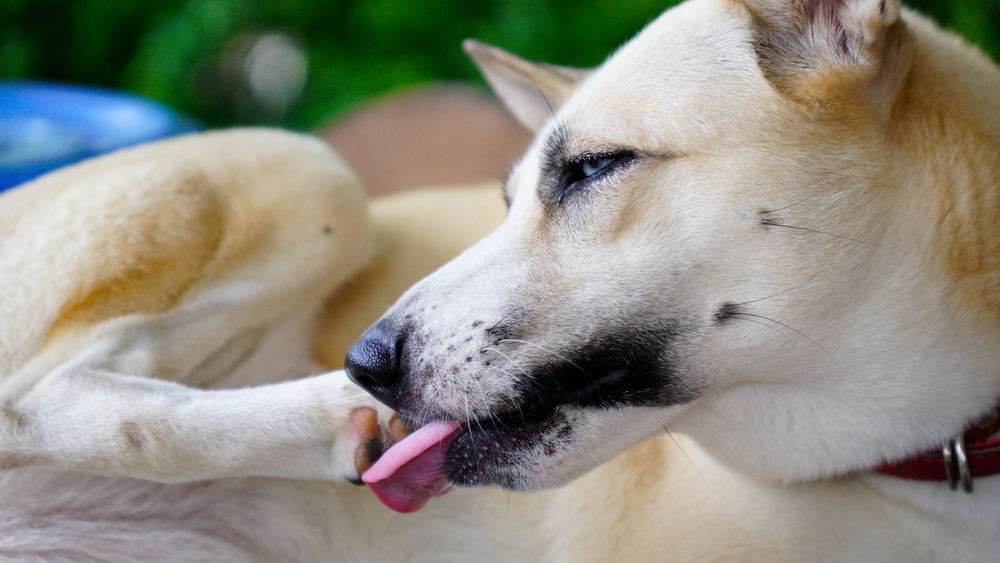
{"type": "Point", "coordinates": [771, 225]}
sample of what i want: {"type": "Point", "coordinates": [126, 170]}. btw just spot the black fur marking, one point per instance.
{"type": "Point", "coordinates": [726, 312]}
{"type": "Point", "coordinates": [626, 367]}
{"type": "Point", "coordinates": [554, 159]}
{"type": "Point", "coordinates": [765, 219]}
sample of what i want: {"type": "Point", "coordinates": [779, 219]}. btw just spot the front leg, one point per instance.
{"type": "Point", "coordinates": [82, 419]}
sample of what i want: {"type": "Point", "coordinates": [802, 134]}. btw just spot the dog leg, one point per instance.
{"type": "Point", "coordinates": [200, 261]}
{"type": "Point", "coordinates": [89, 420]}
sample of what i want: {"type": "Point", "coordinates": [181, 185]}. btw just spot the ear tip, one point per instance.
{"type": "Point", "coordinates": [473, 46]}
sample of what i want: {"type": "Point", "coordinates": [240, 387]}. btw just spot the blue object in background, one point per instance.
{"type": "Point", "coordinates": [44, 126]}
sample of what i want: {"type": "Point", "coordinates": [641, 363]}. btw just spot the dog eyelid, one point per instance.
{"type": "Point", "coordinates": [590, 167]}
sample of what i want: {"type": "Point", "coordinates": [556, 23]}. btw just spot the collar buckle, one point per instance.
{"type": "Point", "coordinates": [956, 464]}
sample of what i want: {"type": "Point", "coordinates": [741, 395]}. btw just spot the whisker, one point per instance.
{"type": "Point", "coordinates": [670, 433]}
{"type": "Point", "coordinates": [505, 317]}
{"type": "Point", "coordinates": [817, 194]}
{"type": "Point", "coordinates": [486, 405]}
{"type": "Point", "coordinates": [552, 110]}
{"type": "Point", "coordinates": [524, 384]}
{"type": "Point", "coordinates": [507, 403]}
{"type": "Point", "coordinates": [800, 333]}
{"type": "Point", "coordinates": [770, 296]}
{"type": "Point", "coordinates": [772, 223]}
{"type": "Point", "coordinates": [495, 497]}
{"type": "Point", "coordinates": [783, 335]}
{"type": "Point", "coordinates": [469, 421]}
{"type": "Point", "coordinates": [560, 356]}
{"type": "Point", "coordinates": [521, 382]}
{"type": "Point", "coordinates": [556, 354]}
{"type": "Point", "coordinates": [514, 377]}
{"type": "Point", "coordinates": [512, 362]}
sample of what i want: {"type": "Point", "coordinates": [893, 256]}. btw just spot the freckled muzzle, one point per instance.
{"type": "Point", "coordinates": [610, 368]}
{"type": "Point", "coordinates": [447, 366]}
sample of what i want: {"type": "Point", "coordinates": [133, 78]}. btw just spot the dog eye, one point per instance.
{"type": "Point", "coordinates": [594, 165]}
{"type": "Point", "coordinates": [589, 168]}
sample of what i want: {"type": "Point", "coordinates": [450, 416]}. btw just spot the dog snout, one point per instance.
{"type": "Point", "coordinates": [373, 362]}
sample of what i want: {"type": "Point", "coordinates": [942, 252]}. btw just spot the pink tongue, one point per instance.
{"type": "Point", "coordinates": [412, 472]}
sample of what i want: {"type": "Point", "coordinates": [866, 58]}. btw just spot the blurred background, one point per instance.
{"type": "Point", "coordinates": [376, 78]}
{"type": "Point", "coordinates": [301, 63]}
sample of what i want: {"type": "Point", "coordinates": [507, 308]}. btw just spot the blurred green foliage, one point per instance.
{"type": "Point", "coordinates": [170, 49]}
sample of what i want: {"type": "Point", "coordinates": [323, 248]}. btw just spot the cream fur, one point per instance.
{"type": "Point", "coordinates": [160, 302]}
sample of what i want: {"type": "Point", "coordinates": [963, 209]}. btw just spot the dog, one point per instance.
{"type": "Point", "coordinates": [758, 250]}
{"type": "Point", "coordinates": [750, 259]}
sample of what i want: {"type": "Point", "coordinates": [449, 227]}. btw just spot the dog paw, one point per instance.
{"type": "Point", "coordinates": [373, 433]}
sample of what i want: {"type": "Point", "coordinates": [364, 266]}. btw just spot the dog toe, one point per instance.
{"type": "Point", "coordinates": [374, 436]}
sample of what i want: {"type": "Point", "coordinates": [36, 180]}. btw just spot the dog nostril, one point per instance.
{"type": "Point", "coordinates": [373, 362]}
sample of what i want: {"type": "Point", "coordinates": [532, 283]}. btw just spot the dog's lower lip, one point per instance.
{"type": "Point", "coordinates": [488, 454]}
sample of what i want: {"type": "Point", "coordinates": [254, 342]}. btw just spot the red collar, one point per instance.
{"type": "Point", "coordinates": [961, 459]}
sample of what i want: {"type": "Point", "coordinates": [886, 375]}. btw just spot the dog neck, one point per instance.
{"type": "Point", "coordinates": [968, 456]}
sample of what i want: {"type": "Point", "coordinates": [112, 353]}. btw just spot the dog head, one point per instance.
{"type": "Point", "coordinates": [719, 231]}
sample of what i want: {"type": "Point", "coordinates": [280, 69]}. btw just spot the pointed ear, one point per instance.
{"type": "Point", "coordinates": [531, 91]}
{"type": "Point", "coordinates": [815, 49]}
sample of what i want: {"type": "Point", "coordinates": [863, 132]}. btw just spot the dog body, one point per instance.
{"type": "Point", "coordinates": [770, 226]}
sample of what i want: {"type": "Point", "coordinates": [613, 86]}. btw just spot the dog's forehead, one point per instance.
{"type": "Point", "coordinates": [686, 73]}
{"type": "Point", "coordinates": [689, 81]}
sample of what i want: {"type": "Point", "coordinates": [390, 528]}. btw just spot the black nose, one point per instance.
{"type": "Point", "coordinates": [373, 362]}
